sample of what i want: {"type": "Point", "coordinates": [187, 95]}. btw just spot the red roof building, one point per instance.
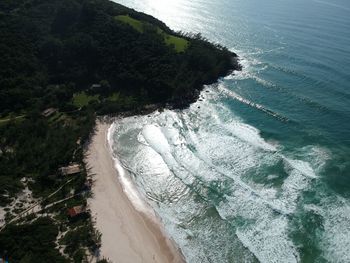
{"type": "Point", "coordinates": [76, 210]}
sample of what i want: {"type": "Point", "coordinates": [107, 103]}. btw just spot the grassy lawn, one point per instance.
{"type": "Point", "coordinates": [82, 99]}
{"type": "Point", "coordinates": [136, 24]}
{"type": "Point", "coordinates": [180, 44]}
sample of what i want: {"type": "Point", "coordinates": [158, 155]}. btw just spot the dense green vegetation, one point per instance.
{"type": "Point", "coordinates": [53, 49]}
{"type": "Point", "coordinates": [179, 43]}
{"type": "Point", "coordinates": [136, 24]}
{"type": "Point", "coordinates": [82, 58]}
{"type": "Point", "coordinates": [35, 148]}
{"type": "Point", "coordinates": [81, 99]}
{"type": "Point", "coordinates": [38, 244]}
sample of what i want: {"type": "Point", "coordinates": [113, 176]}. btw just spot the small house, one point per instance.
{"type": "Point", "coordinates": [70, 170]}
{"type": "Point", "coordinates": [76, 211]}
{"type": "Point", "coordinates": [48, 112]}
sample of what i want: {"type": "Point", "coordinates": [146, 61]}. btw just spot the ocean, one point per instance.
{"type": "Point", "coordinates": [258, 169]}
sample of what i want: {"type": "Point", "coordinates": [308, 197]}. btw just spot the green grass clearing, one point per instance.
{"type": "Point", "coordinates": [136, 24]}
{"type": "Point", "coordinates": [82, 99]}
{"type": "Point", "coordinates": [180, 44]}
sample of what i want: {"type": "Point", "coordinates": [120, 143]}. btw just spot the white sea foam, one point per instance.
{"type": "Point", "coordinates": [301, 166]}
{"type": "Point", "coordinates": [269, 242]}
{"type": "Point", "coordinates": [159, 143]}
{"type": "Point", "coordinates": [264, 232]}
{"type": "Point", "coordinates": [268, 237]}
{"type": "Point", "coordinates": [180, 154]}
{"type": "Point", "coordinates": [249, 134]}
{"type": "Point", "coordinates": [173, 216]}
{"type": "Point", "coordinates": [156, 139]}
{"type": "Point", "coordinates": [127, 184]}
{"type": "Point", "coordinates": [266, 227]}
{"type": "Point", "coordinates": [316, 157]}
{"type": "Point", "coordinates": [260, 107]}
{"type": "Point", "coordinates": [335, 239]}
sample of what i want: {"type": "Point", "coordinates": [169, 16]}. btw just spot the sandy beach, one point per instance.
{"type": "Point", "coordinates": [128, 235]}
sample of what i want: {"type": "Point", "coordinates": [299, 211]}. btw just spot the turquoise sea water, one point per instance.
{"type": "Point", "coordinates": [258, 170]}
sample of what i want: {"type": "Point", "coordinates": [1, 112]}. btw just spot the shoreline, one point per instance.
{"type": "Point", "coordinates": [128, 234]}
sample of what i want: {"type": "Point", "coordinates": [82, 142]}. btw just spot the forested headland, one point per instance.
{"type": "Point", "coordinates": [62, 63]}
